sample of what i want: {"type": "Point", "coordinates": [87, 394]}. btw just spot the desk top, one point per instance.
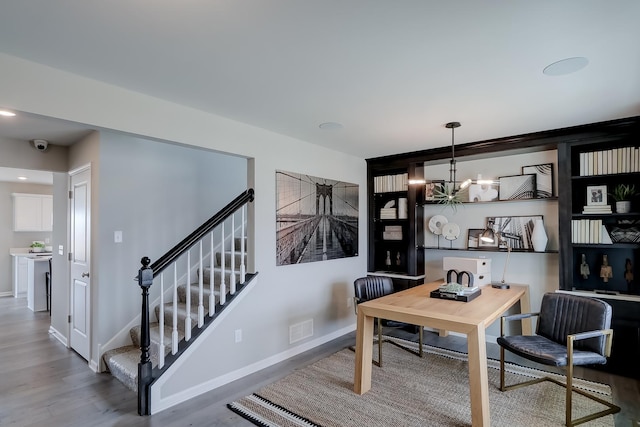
{"type": "Point", "coordinates": [415, 306]}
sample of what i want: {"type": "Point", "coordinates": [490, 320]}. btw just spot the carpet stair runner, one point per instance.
{"type": "Point", "coordinates": [122, 362]}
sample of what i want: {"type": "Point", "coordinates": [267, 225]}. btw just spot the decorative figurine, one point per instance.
{"type": "Point", "coordinates": [628, 271]}
{"type": "Point", "coordinates": [398, 260]}
{"type": "Point", "coordinates": [606, 272]}
{"type": "Point", "coordinates": [387, 261]}
{"type": "Point", "coordinates": [584, 267]}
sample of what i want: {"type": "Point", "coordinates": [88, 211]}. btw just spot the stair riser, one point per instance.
{"type": "Point", "coordinates": [168, 316]}
{"type": "Point", "coordinates": [227, 259]}
{"type": "Point", "coordinates": [217, 276]}
{"type": "Point", "coordinates": [195, 295]}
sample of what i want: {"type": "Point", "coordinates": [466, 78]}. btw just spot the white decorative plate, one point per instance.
{"type": "Point", "coordinates": [436, 222]}
{"type": "Point", "coordinates": [451, 231]}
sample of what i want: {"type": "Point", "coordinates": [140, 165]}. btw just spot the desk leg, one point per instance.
{"type": "Point", "coordinates": [364, 353]}
{"type": "Point", "coordinates": [525, 307]}
{"type": "Point", "coordinates": [478, 377]}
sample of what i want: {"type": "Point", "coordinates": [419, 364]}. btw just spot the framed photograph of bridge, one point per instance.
{"type": "Point", "coordinates": [316, 218]}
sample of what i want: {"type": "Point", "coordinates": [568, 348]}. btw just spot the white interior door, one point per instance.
{"type": "Point", "coordinates": [80, 274]}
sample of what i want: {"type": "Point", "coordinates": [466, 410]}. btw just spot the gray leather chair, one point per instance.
{"type": "Point", "coordinates": [372, 287]}
{"type": "Point", "coordinates": [572, 330]}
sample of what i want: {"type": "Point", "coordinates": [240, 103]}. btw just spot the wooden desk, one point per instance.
{"type": "Point", "coordinates": [414, 306]}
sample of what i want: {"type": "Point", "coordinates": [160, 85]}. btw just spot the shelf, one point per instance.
{"type": "Point", "coordinates": [631, 215]}
{"type": "Point", "coordinates": [606, 246]}
{"type": "Point", "coordinates": [540, 199]}
{"type": "Point", "coordinates": [550, 251]}
{"type": "Point", "coordinates": [606, 176]}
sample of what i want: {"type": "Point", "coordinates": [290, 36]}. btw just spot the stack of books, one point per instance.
{"type": "Point", "coordinates": [388, 213]}
{"type": "Point", "coordinates": [596, 210]}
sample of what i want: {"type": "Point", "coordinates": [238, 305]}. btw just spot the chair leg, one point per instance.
{"type": "Point", "coordinates": [502, 369]}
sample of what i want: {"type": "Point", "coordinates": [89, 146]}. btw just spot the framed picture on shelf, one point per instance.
{"type": "Point", "coordinates": [514, 231]}
{"type": "Point", "coordinates": [596, 195]}
{"type": "Point", "coordinates": [432, 188]}
{"type": "Point", "coordinates": [517, 187]}
{"type": "Point", "coordinates": [474, 242]}
{"type": "Point", "coordinates": [544, 179]}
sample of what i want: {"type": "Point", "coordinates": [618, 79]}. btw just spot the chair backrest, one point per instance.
{"type": "Point", "coordinates": [371, 287]}
{"type": "Point", "coordinates": [565, 314]}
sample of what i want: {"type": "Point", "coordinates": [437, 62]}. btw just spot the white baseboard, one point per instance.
{"type": "Point", "coordinates": [162, 404]}
{"type": "Point", "coordinates": [57, 335]}
{"type": "Point", "coordinates": [6, 294]}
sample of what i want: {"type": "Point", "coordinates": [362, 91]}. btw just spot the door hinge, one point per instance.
{"type": "Point", "coordinates": [69, 319]}
{"type": "Point", "coordinates": [70, 194]}
{"type": "Point", "coordinates": [70, 258]}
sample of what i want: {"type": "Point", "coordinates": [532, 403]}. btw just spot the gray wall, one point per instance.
{"type": "Point", "coordinates": [16, 153]}
{"type": "Point", "coordinates": [156, 194]}
{"type": "Point", "coordinates": [9, 238]}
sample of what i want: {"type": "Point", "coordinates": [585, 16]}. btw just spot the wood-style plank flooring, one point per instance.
{"type": "Point", "coordinates": [42, 383]}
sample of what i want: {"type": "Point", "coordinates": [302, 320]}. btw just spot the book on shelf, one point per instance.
{"type": "Point", "coordinates": [611, 161]}
{"type": "Point", "coordinates": [589, 231]}
{"type": "Point", "coordinates": [591, 210]}
{"type": "Point", "coordinates": [389, 183]}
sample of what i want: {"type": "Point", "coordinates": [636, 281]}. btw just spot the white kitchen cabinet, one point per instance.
{"type": "Point", "coordinates": [19, 276]}
{"type": "Point", "coordinates": [36, 283]}
{"type": "Point", "coordinates": [32, 212]}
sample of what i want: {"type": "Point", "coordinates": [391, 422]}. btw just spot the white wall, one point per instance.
{"type": "Point", "coordinates": [538, 270]}
{"type": "Point", "coordinates": [284, 295]}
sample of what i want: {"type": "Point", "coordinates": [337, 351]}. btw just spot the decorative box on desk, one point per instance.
{"type": "Point", "coordinates": [480, 268]}
{"type": "Point", "coordinates": [449, 291]}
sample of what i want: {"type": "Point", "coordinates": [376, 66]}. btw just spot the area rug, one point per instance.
{"type": "Point", "coordinates": [410, 391]}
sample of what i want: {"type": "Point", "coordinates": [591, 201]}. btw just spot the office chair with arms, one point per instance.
{"type": "Point", "coordinates": [372, 287]}
{"type": "Point", "coordinates": [572, 330]}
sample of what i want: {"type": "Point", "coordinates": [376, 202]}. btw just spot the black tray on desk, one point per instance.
{"type": "Point", "coordinates": [455, 297]}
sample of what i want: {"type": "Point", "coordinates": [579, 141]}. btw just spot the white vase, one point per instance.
{"type": "Point", "coordinates": [539, 236]}
{"type": "Point", "coordinates": [623, 207]}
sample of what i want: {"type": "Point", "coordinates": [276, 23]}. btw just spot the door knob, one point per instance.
{"type": "Point", "coordinates": [85, 274]}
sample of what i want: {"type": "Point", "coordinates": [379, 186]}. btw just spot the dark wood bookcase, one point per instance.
{"type": "Point", "coordinates": [623, 295]}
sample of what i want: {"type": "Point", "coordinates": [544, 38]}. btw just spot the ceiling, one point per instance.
{"type": "Point", "coordinates": [392, 73]}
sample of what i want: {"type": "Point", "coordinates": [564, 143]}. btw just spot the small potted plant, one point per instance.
{"type": "Point", "coordinates": [622, 194]}
{"type": "Point", "coordinates": [37, 247]}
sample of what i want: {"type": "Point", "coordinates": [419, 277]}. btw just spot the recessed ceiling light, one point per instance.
{"type": "Point", "coordinates": [566, 66]}
{"type": "Point", "coordinates": [22, 178]}
{"type": "Point", "coordinates": [331, 126]}
{"type": "Point", "coordinates": [7, 113]}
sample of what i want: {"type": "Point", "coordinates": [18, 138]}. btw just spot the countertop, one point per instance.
{"type": "Point", "coordinates": [25, 252]}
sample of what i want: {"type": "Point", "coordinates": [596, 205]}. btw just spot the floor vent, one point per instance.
{"type": "Point", "coordinates": [300, 331]}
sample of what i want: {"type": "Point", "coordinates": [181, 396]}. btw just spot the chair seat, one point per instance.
{"type": "Point", "coordinates": [547, 352]}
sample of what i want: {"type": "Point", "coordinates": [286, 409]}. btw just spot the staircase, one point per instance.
{"type": "Point", "coordinates": [122, 362]}
{"type": "Point", "coordinates": [218, 260]}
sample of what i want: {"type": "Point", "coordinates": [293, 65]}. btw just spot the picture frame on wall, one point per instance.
{"type": "Point", "coordinates": [544, 179]}
{"type": "Point", "coordinates": [517, 187]}
{"type": "Point", "coordinates": [596, 195]}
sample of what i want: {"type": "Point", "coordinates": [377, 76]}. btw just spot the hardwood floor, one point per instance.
{"type": "Point", "coordinates": [45, 384]}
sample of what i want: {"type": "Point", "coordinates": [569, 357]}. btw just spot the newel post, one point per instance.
{"type": "Point", "coordinates": [145, 280]}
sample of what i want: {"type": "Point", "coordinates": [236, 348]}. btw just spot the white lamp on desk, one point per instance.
{"type": "Point", "coordinates": [489, 236]}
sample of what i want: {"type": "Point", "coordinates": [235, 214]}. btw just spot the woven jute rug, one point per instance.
{"type": "Point", "coordinates": [410, 391]}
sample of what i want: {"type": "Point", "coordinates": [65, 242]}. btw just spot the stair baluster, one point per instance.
{"type": "Point", "coordinates": [223, 274]}
{"type": "Point", "coordinates": [174, 333]}
{"type": "Point", "coordinates": [187, 319]}
{"type": "Point", "coordinates": [243, 271]}
{"type": "Point", "coordinates": [212, 297]}
{"type": "Point", "coordinates": [200, 287]}
{"type": "Point", "coordinates": [161, 346]}
{"type": "Point", "coordinates": [232, 285]}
